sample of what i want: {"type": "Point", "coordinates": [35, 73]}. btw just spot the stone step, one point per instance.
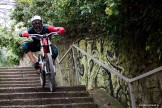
{"type": "Point", "coordinates": [20, 88]}
{"type": "Point", "coordinates": [19, 76]}
{"type": "Point", "coordinates": [20, 85]}
{"type": "Point", "coordinates": [20, 82]}
{"type": "Point", "coordinates": [19, 79]}
{"type": "Point", "coordinates": [17, 72]}
{"type": "Point", "coordinates": [72, 105]}
{"type": "Point", "coordinates": [44, 101]}
{"type": "Point", "coordinates": [18, 68]}
{"type": "Point", "coordinates": [39, 89]}
{"type": "Point", "coordinates": [32, 95]}
{"type": "Point", "coordinates": [71, 88]}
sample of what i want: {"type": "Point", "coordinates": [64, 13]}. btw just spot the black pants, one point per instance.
{"type": "Point", "coordinates": [34, 47]}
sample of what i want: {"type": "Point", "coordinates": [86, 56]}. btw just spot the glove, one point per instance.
{"type": "Point", "coordinates": [20, 34]}
{"type": "Point", "coordinates": [61, 31]}
{"type": "Point", "coordinates": [25, 34]}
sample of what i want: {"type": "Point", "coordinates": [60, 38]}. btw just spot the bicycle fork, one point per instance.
{"type": "Point", "coordinates": [46, 42]}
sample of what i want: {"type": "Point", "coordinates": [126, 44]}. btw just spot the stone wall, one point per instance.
{"type": "Point", "coordinates": [148, 91]}
{"type": "Point", "coordinates": [95, 76]}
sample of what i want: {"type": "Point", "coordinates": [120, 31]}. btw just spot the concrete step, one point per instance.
{"type": "Point", "coordinates": [19, 76]}
{"type": "Point", "coordinates": [32, 95]}
{"type": "Point", "coordinates": [73, 105]}
{"type": "Point", "coordinates": [40, 89]}
{"type": "Point", "coordinates": [19, 79]}
{"type": "Point", "coordinates": [71, 88]}
{"type": "Point", "coordinates": [44, 101]}
{"type": "Point", "coordinates": [20, 85]}
{"type": "Point", "coordinates": [20, 82]}
{"type": "Point", "coordinates": [20, 88]}
{"type": "Point", "coordinates": [17, 72]}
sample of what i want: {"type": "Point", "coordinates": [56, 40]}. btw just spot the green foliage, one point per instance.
{"type": "Point", "coordinates": [2, 57]}
{"type": "Point", "coordinates": [10, 47]}
{"type": "Point", "coordinates": [23, 0]}
{"type": "Point", "coordinates": [140, 36]}
{"type": "Point", "coordinates": [133, 26]}
{"type": "Point", "coordinates": [112, 7]}
{"type": "Point", "coordinates": [78, 17]}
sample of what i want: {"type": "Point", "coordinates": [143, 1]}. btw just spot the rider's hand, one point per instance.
{"type": "Point", "coordinates": [20, 34]}
{"type": "Point", "coordinates": [61, 30]}
{"type": "Point", "coordinates": [25, 34]}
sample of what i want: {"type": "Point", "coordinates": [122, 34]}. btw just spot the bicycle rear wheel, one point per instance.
{"type": "Point", "coordinates": [51, 72]}
{"type": "Point", "coordinates": [42, 76]}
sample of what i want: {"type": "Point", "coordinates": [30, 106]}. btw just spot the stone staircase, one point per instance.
{"type": "Point", "coordinates": [20, 88]}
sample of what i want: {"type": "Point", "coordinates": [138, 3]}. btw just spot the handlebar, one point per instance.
{"type": "Point", "coordinates": [44, 35]}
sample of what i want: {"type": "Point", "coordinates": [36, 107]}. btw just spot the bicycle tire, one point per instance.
{"type": "Point", "coordinates": [42, 75]}
{"type": "Point", "coordinates": [50, 69]}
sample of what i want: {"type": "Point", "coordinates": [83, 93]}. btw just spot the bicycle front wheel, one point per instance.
{"type": "Point", "coordinates": [51, 71]}
{"type": "Point", "coordinates": [42, 76]}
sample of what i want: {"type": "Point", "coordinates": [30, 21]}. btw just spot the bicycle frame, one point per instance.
{"type": "Point", "coordinates": [46, 46]}
{"type": "Point", "coordinates": [45, 42]}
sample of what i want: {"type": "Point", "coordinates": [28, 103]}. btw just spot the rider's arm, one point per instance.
{"type": "Point", "coordinates": [27, 32]}
{"type": "Point", "coordinates": [60, 30]}
{"type": "Point", "coordinates": [24, 34]}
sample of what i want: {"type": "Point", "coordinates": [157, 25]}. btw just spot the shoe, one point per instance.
{"type": "Point", "coordinates": [36, 65]}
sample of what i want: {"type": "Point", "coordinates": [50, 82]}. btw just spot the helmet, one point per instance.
{"type": "Point", "coordinates": [36, 18]}
{"type": "Point", "coordinates": [37, 23]}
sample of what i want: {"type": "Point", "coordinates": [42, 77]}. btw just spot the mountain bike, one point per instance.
{"type": "Point", "coordinates": [47, 66]}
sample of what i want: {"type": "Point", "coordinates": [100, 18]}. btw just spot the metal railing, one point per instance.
{"type": "Point", "coordinates": [128, 80]}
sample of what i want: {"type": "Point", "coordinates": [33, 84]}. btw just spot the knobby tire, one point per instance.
{"type": "Point", "coordinates": [42, 72]}
{"type": "Point", "coordinates": [50, 68]}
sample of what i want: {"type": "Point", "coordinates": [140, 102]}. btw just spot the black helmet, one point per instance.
{"type": "Point", "coordinates": [37, 23]}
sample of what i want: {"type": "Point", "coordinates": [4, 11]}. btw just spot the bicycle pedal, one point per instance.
{"type": "Point", "coordinates": [47, 73]}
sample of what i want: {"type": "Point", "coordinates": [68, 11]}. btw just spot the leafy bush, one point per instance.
{"type": "Point", "coordinates": [133, 26]}
{"type": "Point", "coordinates": [10, 47]}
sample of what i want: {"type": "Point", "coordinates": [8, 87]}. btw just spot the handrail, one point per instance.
{"type": "Point", "coordinates": [146, 74]}
{"type": "Point", "coordinates": [111, 70]}
{"type": "Point", "coordinates": [59, 61]}
{"type": "Point", "coordinates": [102, 64]}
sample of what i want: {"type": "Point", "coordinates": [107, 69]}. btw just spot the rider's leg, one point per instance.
{"type": "Point", "coordinates": [34, 62]}
{"type": "Point", "coordinates": [30, 55]}
{"type": "Point", "coordinates": [54, 53]}
{"type": "Point", "coordinates": [28, 48]}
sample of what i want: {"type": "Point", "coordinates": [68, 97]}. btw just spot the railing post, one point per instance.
{"type": "Point", "coordinates": [75, 66]}
{"type": "Point", "coordinates": [132, 96]}
{"type": "Point", "coordinates": [60, 71]}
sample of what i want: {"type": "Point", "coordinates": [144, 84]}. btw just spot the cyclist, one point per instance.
{"type": "Point", "coordinates": [34, 45]}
